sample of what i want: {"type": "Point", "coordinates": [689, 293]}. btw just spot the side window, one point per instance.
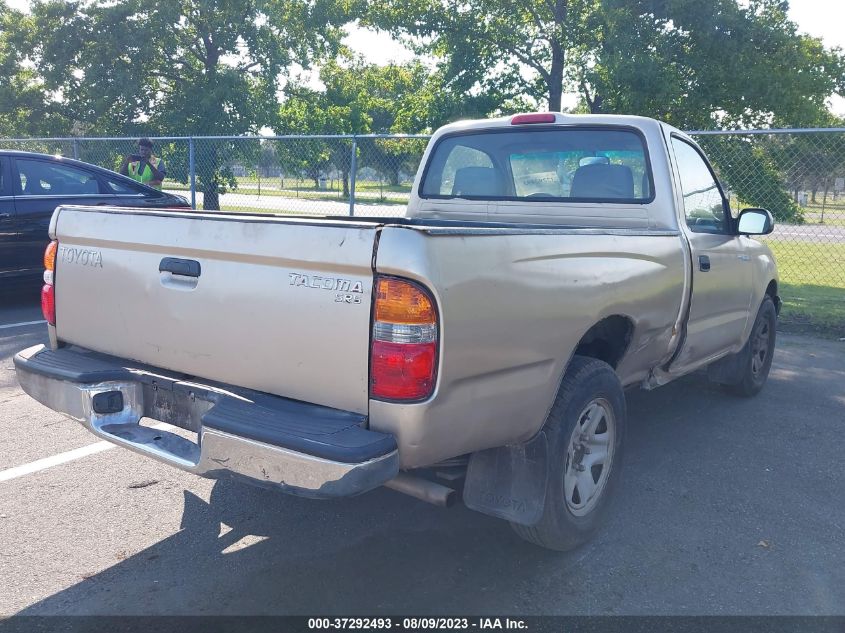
{"type": "Point", "coordinates": [42, 178]}
{"type": "Point", "coordinates": [703, 204]}
{"type": "Point", "coordinates": [123, 188]}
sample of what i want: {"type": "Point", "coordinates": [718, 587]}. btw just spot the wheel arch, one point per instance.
{"type": "Point", "coordinates": [772, 291]}
{"type": "Point", "coordinates": [607, 340]}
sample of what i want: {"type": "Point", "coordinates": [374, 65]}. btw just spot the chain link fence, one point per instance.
{"type": "Point", "coordinates": [799, 175]}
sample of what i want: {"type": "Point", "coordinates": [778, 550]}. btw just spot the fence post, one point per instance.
{"type": "Point", "coordinates": [192, 172]}
{"type": "Point", "coordinates": [352, 170]}
{"type": "Point", "coordinates": [76, 149]}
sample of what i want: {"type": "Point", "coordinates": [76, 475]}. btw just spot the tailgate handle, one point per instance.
{"type": "Point", "coordinates": [184, 267]}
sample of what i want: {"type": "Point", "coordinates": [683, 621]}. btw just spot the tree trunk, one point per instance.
{"type": "Point", "coordinates": [555, 97]}
{"type": "Point", "coordinates": [345, 183]}
{"type": "Point", "coordinates": [393, 177]}
{"type": "Point", "coordinates": [555, 80]}
{"type": "Point", "coordinates": [209, 175]}
{"type": "Point", "coordinates": [211, 198]}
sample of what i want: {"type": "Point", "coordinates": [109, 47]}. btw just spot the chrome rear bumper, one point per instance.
{"type": "Point", "coordinates": [350, 459]}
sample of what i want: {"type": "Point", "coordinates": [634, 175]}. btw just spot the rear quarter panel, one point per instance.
{"type": "Point", "coordinates": [513, 306]}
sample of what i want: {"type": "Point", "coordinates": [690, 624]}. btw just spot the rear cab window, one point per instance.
{"type": "Point", "coordinates": [564, 164]}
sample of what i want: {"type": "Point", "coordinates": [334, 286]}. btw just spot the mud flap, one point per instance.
{"type": "Point", "coordinates": [728, 370]}
{"type": "Point", "coordinates": [509, 482]}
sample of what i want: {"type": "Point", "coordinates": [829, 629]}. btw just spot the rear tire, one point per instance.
{"type": "Point", "coordinates": [756, 357]}
{"type": "Point", "coordinates": [585, 431]}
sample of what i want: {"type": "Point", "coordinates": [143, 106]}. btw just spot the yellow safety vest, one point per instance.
{"type": "Point", "coordinates": [147, 175]}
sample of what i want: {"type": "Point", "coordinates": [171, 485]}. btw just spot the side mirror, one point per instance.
{"type": "Point", "coordinates": [755, 222]}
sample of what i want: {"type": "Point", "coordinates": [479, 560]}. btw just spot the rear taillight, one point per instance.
{"type": "Point", "coordinates": [403, 361]}
{"type": "Point", "coordinates": [50, 256]}
{"type": "Point", "coordinates": [48, 291]}
{"type": "Point", "coordinates": [48, 303]}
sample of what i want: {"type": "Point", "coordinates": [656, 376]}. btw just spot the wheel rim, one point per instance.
{"type": "Point", "coordinates": [760, 347]}
{"type": "Point", "coordinates": [589, 457]}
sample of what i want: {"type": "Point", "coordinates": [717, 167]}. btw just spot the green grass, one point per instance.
{"type": "Point", "coordinates": [373, 186]}
{"type": "Point", "coordinates": [834, 214]}
{"type": "Point", "coordinates": [812, 286]}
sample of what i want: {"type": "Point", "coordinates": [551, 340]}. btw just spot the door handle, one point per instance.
{"type": "Point", "coordinates": [183, 267]}
{"type": "Point", "coordinates": [703, 263]}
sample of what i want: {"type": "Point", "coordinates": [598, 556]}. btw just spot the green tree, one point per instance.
{"type": "Point", "coordinates": [307, 112]}
{"type": "Point", "coordinates": [25, 108]}
{"type": "Point", "coordinates": [189, 67]}
{"type": "Point", "coordinates": [696, 64]}
{"type": "Point", "coordinates": [487, 45]}
{"type": "Point", "coordinates": [362, 98]}
{"type": "Point", "coordinates": [748, 168]}
{"type": "Point", "coordinates": [702, 65]}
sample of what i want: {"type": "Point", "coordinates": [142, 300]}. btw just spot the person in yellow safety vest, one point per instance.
{"type": "Point", "coordinates": [143, 166]}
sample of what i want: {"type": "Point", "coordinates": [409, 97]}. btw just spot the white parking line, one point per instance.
{"type": "Point", "coordinates": [63, 458]}
{"type": "Point", "coordinates": [21, 324]}
{"type": "Point", "coordinates": [55, 460]}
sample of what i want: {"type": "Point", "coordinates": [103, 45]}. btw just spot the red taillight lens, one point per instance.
{"type": "Point", "coordinates": [48, 303]}
{"type": "Point", "coordinates": [403, 360]}
{"type": "Point", "coordinates": [403, 371]}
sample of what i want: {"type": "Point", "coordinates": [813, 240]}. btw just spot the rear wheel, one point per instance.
{"type": "Point", "coordinates": [585, 429]}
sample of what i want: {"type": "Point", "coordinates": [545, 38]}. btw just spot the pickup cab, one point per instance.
{"type": "Point", "coordinates": [478, 347]}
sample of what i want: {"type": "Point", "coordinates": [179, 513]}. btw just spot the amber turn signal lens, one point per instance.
{"type": "Point", "coordinates": [399, 301]}
{"type": "Point", "coordinates": [50, 256]}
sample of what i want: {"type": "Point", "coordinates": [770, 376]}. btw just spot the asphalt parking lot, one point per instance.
{"type": "Point", "coordinates": [727, 506]}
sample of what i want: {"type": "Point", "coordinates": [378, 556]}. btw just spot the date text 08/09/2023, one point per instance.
{"type": "Point", "coordinates": [417, 624]}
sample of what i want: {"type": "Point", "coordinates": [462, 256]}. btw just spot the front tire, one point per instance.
{"type": "Point", "coordinates": [585, 431]}
{"type": "Point", "coordinates": [756, 357]}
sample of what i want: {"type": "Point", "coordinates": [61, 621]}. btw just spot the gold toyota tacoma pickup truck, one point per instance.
{"type": "Point", "coordinates": [483, 342]}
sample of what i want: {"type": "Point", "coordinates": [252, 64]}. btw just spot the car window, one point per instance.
{"type": "Point", "coordinates": [704, 206]}
{"type": "Point", "coordinates": [562, 164]}
{"type": "Point", "coordinates": [42, 178]}
{"type": "Point", "coordinates": [123, 188]}
{"type": "Point", "coordinates": [461, 160]}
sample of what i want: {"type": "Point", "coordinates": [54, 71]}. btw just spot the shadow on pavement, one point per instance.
{"type": "Point", "coordinates": [727, 506]}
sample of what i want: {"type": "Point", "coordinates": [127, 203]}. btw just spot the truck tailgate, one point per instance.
{"type": "Point", "coordinates": [280, 305]}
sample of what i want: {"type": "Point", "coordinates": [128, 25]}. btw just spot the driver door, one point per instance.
{"type": "Point", "coordinates": [721, 269]}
